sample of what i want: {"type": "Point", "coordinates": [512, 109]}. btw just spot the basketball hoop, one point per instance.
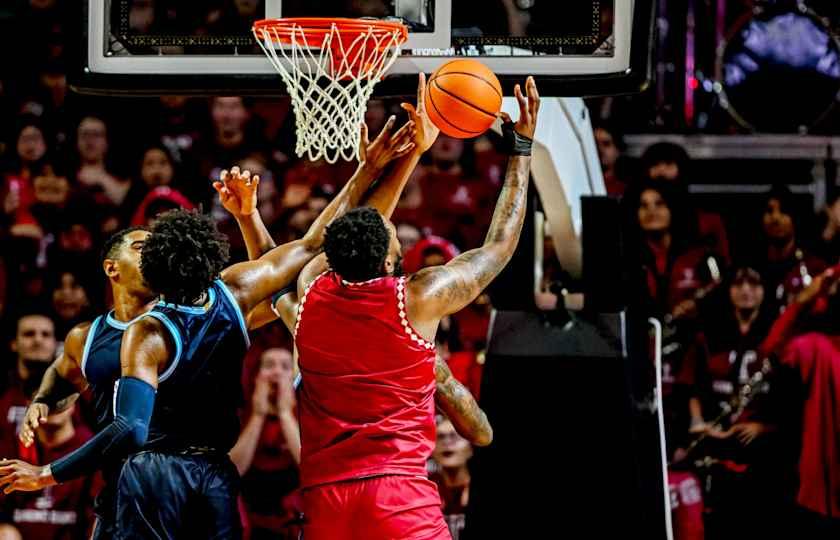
{"type": "Point", "coordinates": [330, 67]}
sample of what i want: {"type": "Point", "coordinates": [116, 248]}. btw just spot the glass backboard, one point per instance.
{"type": "Point", "coordinates": [573, 47]}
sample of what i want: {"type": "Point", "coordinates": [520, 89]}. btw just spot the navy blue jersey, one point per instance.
{"type": "Point", "coordinates": [200, 391]}
{"type": "Point", "coordinates": [101, 365]}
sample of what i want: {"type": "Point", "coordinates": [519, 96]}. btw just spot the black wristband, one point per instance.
{"type": "Point", "coordinates": [515, 144]}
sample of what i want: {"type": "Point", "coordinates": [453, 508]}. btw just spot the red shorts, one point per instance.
{"type": "Point", "coordinates": [380, 508]}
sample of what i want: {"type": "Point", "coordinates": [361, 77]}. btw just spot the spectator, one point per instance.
{"type": "Point", "coordinates": [52, 194]}
{"type": "Point", "coordinates": [751, 464]}
{"type": "Point", "coordinates": [610, 145]}
{"type": "Point", "coordinates": [60, 512]}
{"type": "Point", "coordinates": [463, 202]}
{"type": "Point", "coordinates": [408, 235]}
{"type": "Point", "coordinates": [28, 147]}
{"type": "Point", "coordinates": [92, 147]}
{"type": "Point", "coordinates": [786, 267]}
{"type": "Point", "coordinates": [670, 162]}
{"type": "Point", "coordinates": [450, 473]}
{"type": "Point", "coordinates": [156, 169]}
{"type": "Point", "coordinates": [176, 126]}
{"type": "Point", "coordinates": [71, 301]}
{"type": "Point", "coordinates": [75, 247]}
{"type": "Point", "coordinates": [268, 451]}
{"type": "Point", "coordinates": [34, 347]}
{"type": "Point", "coordinates": [829, 246]}
{"type": "Point", "coordinates": [660, 235]}
{"type": "Point", "coordinates": [157, 201]}
{"type": "Point", "coordinates": [234, 137]}
{"type": "Point", "coordinates": [430, 251]}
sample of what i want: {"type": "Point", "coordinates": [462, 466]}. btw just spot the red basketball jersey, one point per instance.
{"type": "Point", "coordinates": [367, 399]}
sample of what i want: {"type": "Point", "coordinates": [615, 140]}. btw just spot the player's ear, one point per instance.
{"type": "Point", "coordinates": [388, 265]}
{"type": "Point", "coordinates": [110, 268]}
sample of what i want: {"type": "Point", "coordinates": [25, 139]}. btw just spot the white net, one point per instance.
{"type": "Point", "coordinates": [330, 82]}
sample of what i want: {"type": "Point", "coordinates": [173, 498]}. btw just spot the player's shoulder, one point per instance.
{"type": "Point", "coordinates": [74, 343]}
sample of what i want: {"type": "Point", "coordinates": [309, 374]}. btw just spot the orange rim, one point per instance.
{"type": "Point", "coordinates": [317, 28]}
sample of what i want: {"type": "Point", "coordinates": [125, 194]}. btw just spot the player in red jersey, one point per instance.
{"type": "Point", "coordinates": [365, 339]}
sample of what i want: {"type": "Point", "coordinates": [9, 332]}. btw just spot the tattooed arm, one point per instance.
{"type": "Point", "coordinates": [458, 404]}
{"type": "Point", "coordinates": [442, 290]}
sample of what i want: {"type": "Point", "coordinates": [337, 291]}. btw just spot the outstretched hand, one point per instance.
{"type": "Point", "coordinates": [529, 107]}
{"type": "Point", "coordinates": [17, 475]}
{"type": "Point", "coordinates": [238, 191]}
{"type": "Point", "coordinates": [425, 131]}
{"type": "Point", "coordinates": [36, 414]}
{"type": "Point", "coordinates": [387, 146]}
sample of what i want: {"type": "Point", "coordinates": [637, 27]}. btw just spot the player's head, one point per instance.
{"type": "Point", "coordinates": [183, 255]}
{"type": "Point", "coordinates": [363, 245]}
{"type": "Point", "coordinates": [121, 259]}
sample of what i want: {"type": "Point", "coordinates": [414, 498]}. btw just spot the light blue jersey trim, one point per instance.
{"type": "Point", "coordinates": [176, 337]}
{"type": "Point", "coordinates": [119, 325]}
{"type": "Point", "coordinates": [88, 342]}
{"type": "Point", "coordinates": [238, 310]}
{"type": "Point", "coordinates": [195, 310]}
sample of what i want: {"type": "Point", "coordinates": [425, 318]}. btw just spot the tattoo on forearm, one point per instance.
{"type": "Point", "coordinates": [55, 391]}
{"type": "Point", "coordinates": [470, 273]}
{"type": "Point", "coordinates": [460, 406]}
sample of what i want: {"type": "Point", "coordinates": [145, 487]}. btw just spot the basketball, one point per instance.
{"type": "Point", "coordinates": [463, 98]}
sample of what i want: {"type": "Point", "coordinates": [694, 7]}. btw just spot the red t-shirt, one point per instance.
{"type": "Point", "coordinates": [367, 401]}
{"type": "Point", "coordinates": [60, 512]}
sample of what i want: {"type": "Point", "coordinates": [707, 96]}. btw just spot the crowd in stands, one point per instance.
{"type": "Point", "coordinates": [75, 169]}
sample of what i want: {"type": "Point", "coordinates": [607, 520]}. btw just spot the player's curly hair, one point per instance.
{"type": "Point", "coordinates": [183, 255]}
{"type": "Point", "coordinates": [356, 244]}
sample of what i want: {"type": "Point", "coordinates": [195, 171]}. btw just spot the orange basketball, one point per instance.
{"type": "Point", "coordinates": [463, 98]}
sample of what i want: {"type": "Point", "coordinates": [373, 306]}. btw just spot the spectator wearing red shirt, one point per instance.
{"type": "Point", "coordinates": [450, 472]}
{"type": "Point", "coordinates": [34, 345]}
{"type": "Point", "coordinates": [751, 472]}
{"type": "Point", "coordinates": [156, 168]}
{"type": "Point", "coordinates": [786, 266]}
{"type": "Point", "coordinates": [28, 146]}
{"type": "Point", "coordinates": [669, 265]}
{"type": "Point", "coordinates": [60, 512]}
{"type": "Point", "coordinates": [462, 201]}
{"type": "Point", "coordinates": [268, 451]}
{"type": "Point", "coordinates": [610, 145]}
{"type": "Point", "coordinates": [669, 162]}
{"type": "Point", "coordinates": [93, 173]}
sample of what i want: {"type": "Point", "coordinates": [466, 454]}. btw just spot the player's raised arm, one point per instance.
{"type": "Point", "coordinates": [253, 281]}
{"type": "Point", "coordinates": [442, 290]}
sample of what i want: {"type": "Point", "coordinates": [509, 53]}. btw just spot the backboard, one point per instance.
{"type": "Point", "coordinates": [573, 47]}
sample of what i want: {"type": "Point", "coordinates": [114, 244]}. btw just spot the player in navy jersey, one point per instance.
{"type": "Point", "coordinates": [177, 388]}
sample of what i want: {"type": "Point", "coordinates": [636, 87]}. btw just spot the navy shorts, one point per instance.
{"type": "Point", "coordinates": [172, 496]}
